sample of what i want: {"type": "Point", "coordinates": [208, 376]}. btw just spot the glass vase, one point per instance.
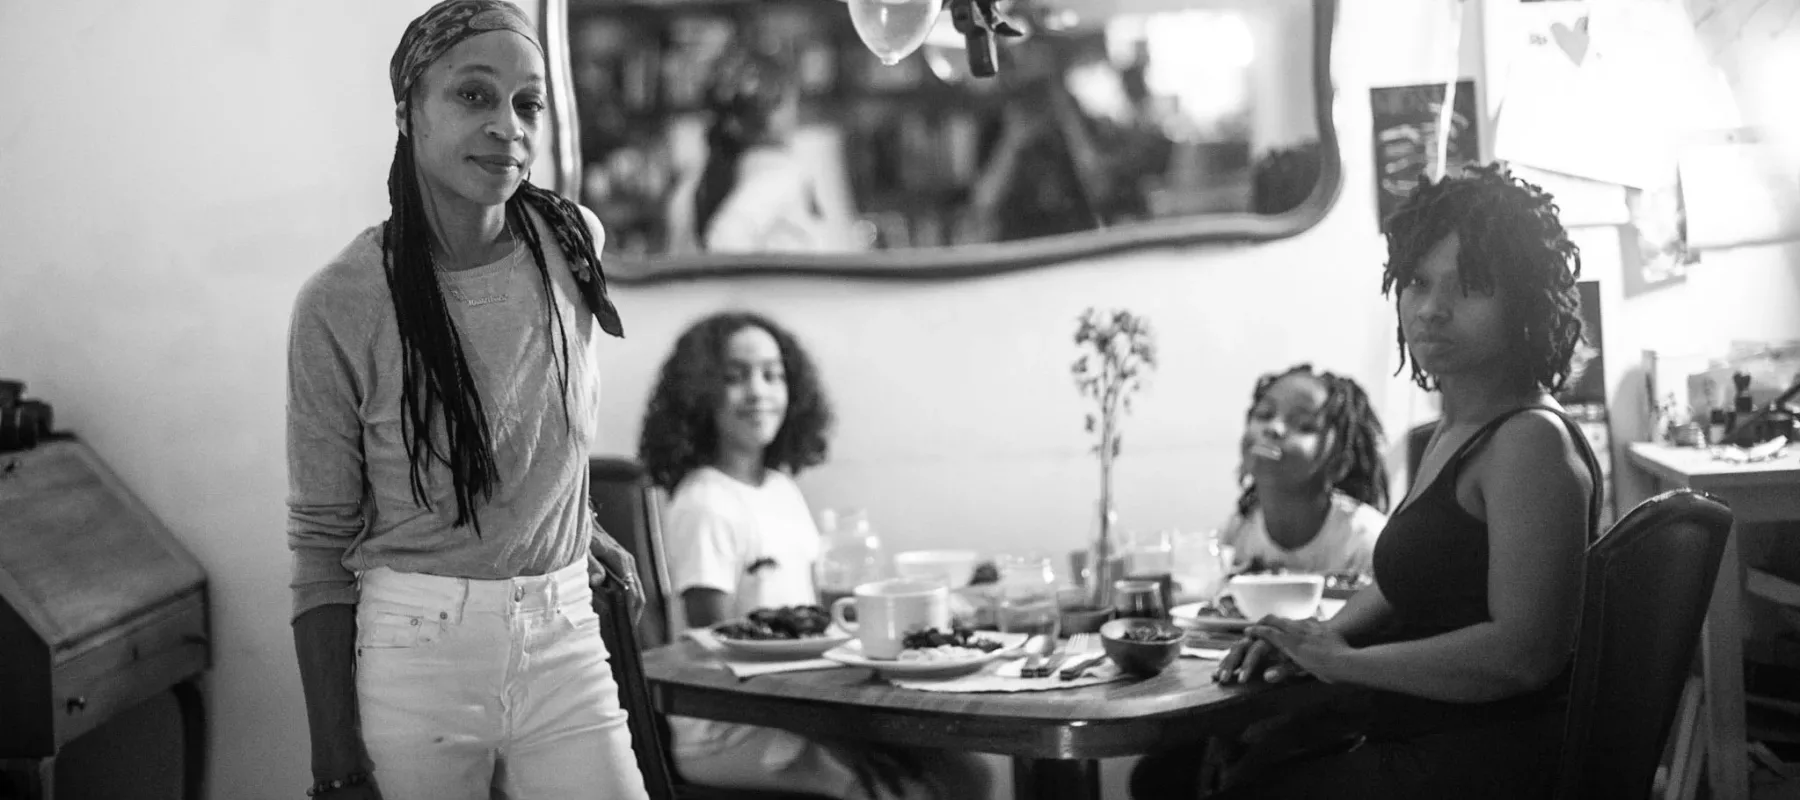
{"type": "Point", "coordinates": [1105, 561]}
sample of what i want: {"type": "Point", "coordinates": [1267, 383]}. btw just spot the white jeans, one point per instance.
{"type": "Point", "coordinates": [471, 689]}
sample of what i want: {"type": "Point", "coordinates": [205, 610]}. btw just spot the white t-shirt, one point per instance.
{"type": "Point", "coordinates": [755, 543]}
{"type": "Point", "coordinates": [1345, 542]}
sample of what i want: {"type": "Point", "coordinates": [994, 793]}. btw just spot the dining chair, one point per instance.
{"type": "Point", "coordinates": [629, 508]}
{"type": "Point", "coordinates": [1648, 582]}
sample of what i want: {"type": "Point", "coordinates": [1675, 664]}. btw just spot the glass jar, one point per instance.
{"type": "Point", "coordinates": [850, 554]}
{"type": "Point", "coordinates": [1025, 599]}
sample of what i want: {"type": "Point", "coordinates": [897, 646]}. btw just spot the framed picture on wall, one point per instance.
{"type": "Point", "coordinates": [1406, 122]}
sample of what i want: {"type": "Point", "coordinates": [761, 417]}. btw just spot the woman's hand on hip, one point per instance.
{"type": "Point", "coordinates": [608, 558]}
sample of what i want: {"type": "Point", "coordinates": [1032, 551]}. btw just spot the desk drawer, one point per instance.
{"type": "Point", "coordinates": [128, 666]}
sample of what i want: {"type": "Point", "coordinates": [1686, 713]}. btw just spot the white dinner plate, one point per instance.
{"type": "Point", "coordinates": [1189, 615]}
{"type": "Point", "coordinates": [850, 653]}
{"type": "Point", "coordinates": [808, 647]}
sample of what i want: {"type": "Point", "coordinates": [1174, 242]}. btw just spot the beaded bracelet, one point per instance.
{"type": "Point", "coordinates": [353, 779]}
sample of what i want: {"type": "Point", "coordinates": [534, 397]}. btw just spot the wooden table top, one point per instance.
{"type": "Point", "coordinates": [1114, 719]}
{"type": "Point", "coordinates": [1695, 467]}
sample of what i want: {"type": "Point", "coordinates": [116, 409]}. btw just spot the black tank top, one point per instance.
{"type": "Point", "coordinates": [1432, 565]}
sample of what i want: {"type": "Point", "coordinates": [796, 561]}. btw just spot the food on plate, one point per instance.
{"type": "Point", "coordinates": [986, 572]}
{"type": "Point", "coordinates": [1225, 608]}
{"type": "Point", "coordinates": [932, 644]}
{"type": "Point", "coordinates": [1346, 581]}
{"type": "Point", "coordinates": [787, 622]}
{"type": "Point", "coordinates": [1151, 634]}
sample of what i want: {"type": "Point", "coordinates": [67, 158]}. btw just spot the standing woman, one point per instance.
{"type": "Point", "coordinates": [441, 404]}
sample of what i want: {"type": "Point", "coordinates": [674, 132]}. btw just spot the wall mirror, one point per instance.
{"type": "Point", "coordinates": [722, 137]}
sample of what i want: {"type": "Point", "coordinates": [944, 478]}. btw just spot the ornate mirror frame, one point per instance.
{"type": "Point", "coordinates": [964, 260]}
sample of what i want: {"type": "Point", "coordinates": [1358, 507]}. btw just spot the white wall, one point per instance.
{"type": "Point", "coordinates": [171, 172]}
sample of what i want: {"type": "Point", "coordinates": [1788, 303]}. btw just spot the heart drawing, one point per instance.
{"type": "Point", "coordinates": [1573, 41]}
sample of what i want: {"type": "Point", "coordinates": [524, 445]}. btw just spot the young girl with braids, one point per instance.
{"type": "Point", "coordinates": [1314, 500]}
{"type": "Point", "coordinates": [1466, 636]}
{"type": "Point", "coordinates": [1315, 485]}
{"type": "Point", "coordinates": [441, 406]}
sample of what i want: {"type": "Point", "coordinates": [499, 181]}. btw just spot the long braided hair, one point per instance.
{"type": "Point", "coordinates": [1354, 465]}
{"type": "Point", "coordinates": [748, 90]}
{"type": "Point", "coordinates": [435, 375]}
{"type": "Point", "coordinates": [1510, 241]}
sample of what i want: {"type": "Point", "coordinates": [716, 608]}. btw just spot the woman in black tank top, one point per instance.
{"type": "Point", "coordinates": [1466, 636]}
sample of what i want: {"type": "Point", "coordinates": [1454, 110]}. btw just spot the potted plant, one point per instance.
{"type": "Point", "coordinates": [1118, 351]}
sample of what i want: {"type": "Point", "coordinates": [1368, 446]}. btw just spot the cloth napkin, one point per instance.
{"type": "Point", "coordinates": [744, 667]}
{"type": "Point", "coordinates": [1003, 676]}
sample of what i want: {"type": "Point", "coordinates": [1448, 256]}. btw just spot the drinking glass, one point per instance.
{"type": "Point", "coordinates": [1140, 599]}
{"type": "Point", "coordinates": [1025, 601]}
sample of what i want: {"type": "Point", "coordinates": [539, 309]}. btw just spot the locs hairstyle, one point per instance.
{"type": "Point", "coordinates": [1354, 465]}
{"type": "Point", "coordinates": [1510, 242]}
{"type": "Point", "coordinates": [436, 379]}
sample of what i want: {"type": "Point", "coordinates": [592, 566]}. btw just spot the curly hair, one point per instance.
{"type": "Point", "coordinates": [1354, 466]}
{"type": "Point", "coordinates": [680, 432]}
{"type": "Point", "coordinates": [1511, 242]}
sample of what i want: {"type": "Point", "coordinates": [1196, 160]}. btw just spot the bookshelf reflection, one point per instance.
{"type": "Point", "coordinates": [715, 127]}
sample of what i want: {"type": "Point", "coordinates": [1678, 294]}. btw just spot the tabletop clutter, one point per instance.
{"type": "Point", "coordinates": [951, 622]}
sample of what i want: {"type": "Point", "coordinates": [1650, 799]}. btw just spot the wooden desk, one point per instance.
{"type": "Point", "coordinates": [100, 609]}
{"type": "Point", "coordinates": [1763, 492]}
{"type": "Point", "coordinates": [1054, 737]}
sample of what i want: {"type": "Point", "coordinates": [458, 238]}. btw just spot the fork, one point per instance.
{"type": "Point", "coordinates": [1086, 651]}
{"type": "Point", "coordinates": [1078, 643]}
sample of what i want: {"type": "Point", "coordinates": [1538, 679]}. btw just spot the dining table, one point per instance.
{"type": "Point", "coordinates": [1055, 738]}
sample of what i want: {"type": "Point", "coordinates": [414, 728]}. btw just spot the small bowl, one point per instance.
{"type": "Point", "coordinates": [1141, 658]}
{"type": "Point", "coordinates": [1083, 618]}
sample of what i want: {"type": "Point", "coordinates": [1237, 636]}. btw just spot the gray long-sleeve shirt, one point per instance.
{"type": "Point", "coordinates": [350, 500]}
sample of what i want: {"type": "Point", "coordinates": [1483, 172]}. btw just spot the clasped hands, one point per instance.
{"type": "Point", "coordinates": [1276, 650]}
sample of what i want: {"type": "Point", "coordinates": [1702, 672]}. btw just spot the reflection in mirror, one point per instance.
{"type": "Point", "coordinates": [765, 128]}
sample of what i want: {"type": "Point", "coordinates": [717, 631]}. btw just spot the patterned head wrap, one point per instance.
{"type": "Point", "coordinates": [432, 35]}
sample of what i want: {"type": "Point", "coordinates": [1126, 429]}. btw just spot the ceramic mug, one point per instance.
{"type": "Point", "coordinates": [886, 611]}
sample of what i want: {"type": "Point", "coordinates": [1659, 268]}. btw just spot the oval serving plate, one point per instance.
{"type": "Point", "coordinates": [850, 654]}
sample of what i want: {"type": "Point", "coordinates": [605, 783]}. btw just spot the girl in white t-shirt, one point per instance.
{"type": "Point", "coordinates": [1314, 485]}
{"type": "Point", "coordinates": [737, 410]}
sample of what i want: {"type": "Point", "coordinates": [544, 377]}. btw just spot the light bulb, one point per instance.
{"type": "Point", "coordinates": [892, 29]}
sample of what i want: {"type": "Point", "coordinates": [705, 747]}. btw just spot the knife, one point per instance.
{"type": "Point", "coordinates": [1034, 646]}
